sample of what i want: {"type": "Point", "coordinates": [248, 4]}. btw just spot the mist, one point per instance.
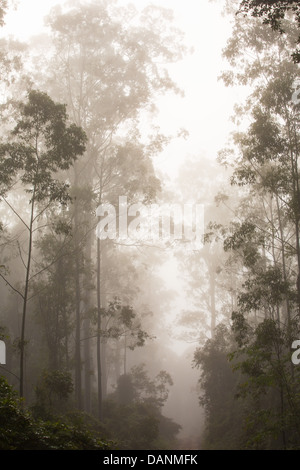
{"type": "Point", "coordinates": [149, 225]}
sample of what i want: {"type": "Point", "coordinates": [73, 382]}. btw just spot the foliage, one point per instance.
{"type": "Point", "coordinates": [270, 384]}
{"type": "Point", "coordinates": [224, 417]}
{"type": "Point", "coordinates": [122, 321]}
{"type": "Point", "coordinates": [52, 393]}
{"type": "Point", "coordinates": [135, 426]}
{"type": "Point", "coordinates": [20, 431]}
{"type": "Point", "coordinates": [107, 65]}
{"type": "Point", "coordinates": [249, 386]}
{"type": "Point", "coordinates": [133, 412]}
{"type": "Point", "coordinates": [153, 391]}
{"type": "Point", "coordinates": [273, 13]}
{"type": "Point", "coordinates": [41, 144]}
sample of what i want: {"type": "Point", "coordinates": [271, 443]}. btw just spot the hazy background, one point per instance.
{"type": "Point", "coordinates": [204, 111]}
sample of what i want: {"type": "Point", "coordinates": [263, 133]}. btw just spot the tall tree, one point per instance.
{"type": "Point", "coordinates": [107, 73]}
{"type": "Point", "coordinates": [41, 144]}
{"type": "Point", "coordinates": [264, 234]}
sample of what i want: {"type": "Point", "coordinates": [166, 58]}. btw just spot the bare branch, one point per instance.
{"type": "Point", "coordinates": [12, 287]}
{"type": "Point", "coordinates": [15, 212]}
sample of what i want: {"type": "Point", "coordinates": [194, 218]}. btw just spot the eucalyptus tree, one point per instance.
{"type": "Point", "coordinates": [265, 230]}
{"type": "Point", "coordinates": [108, 67]}
{"type": "Point", "coordinates": [41, 144]}
{"type": "Point", "coordinates": [268, 156]}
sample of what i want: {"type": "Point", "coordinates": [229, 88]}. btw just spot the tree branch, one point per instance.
{"type": "Point", "coordinates": [15, 212]}
{"type": "Point", "coordinates": [12, 287]}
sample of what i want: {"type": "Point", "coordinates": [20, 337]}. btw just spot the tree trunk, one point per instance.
{"type": "Point", "coordinates": [78, 381]}
{"type": "Point", "coordinates": [99, 372]}
{"type": "Point", "coordinates": [87, 329]}
{"type": "Point", "coordinates": [104, 370]}
{"type": "Point", "coordinates": [212, 281]}
{"type": "Point", "coordinates": [25, 298]}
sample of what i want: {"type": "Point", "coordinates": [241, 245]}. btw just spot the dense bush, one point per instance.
{"type": "Point", "coordinates": [20, 431]}
{"type": "Point", "coordinates": [133, 413]}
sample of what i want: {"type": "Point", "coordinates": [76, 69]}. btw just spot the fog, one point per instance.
{"type": "Point", "coordinates": [149, 225]}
